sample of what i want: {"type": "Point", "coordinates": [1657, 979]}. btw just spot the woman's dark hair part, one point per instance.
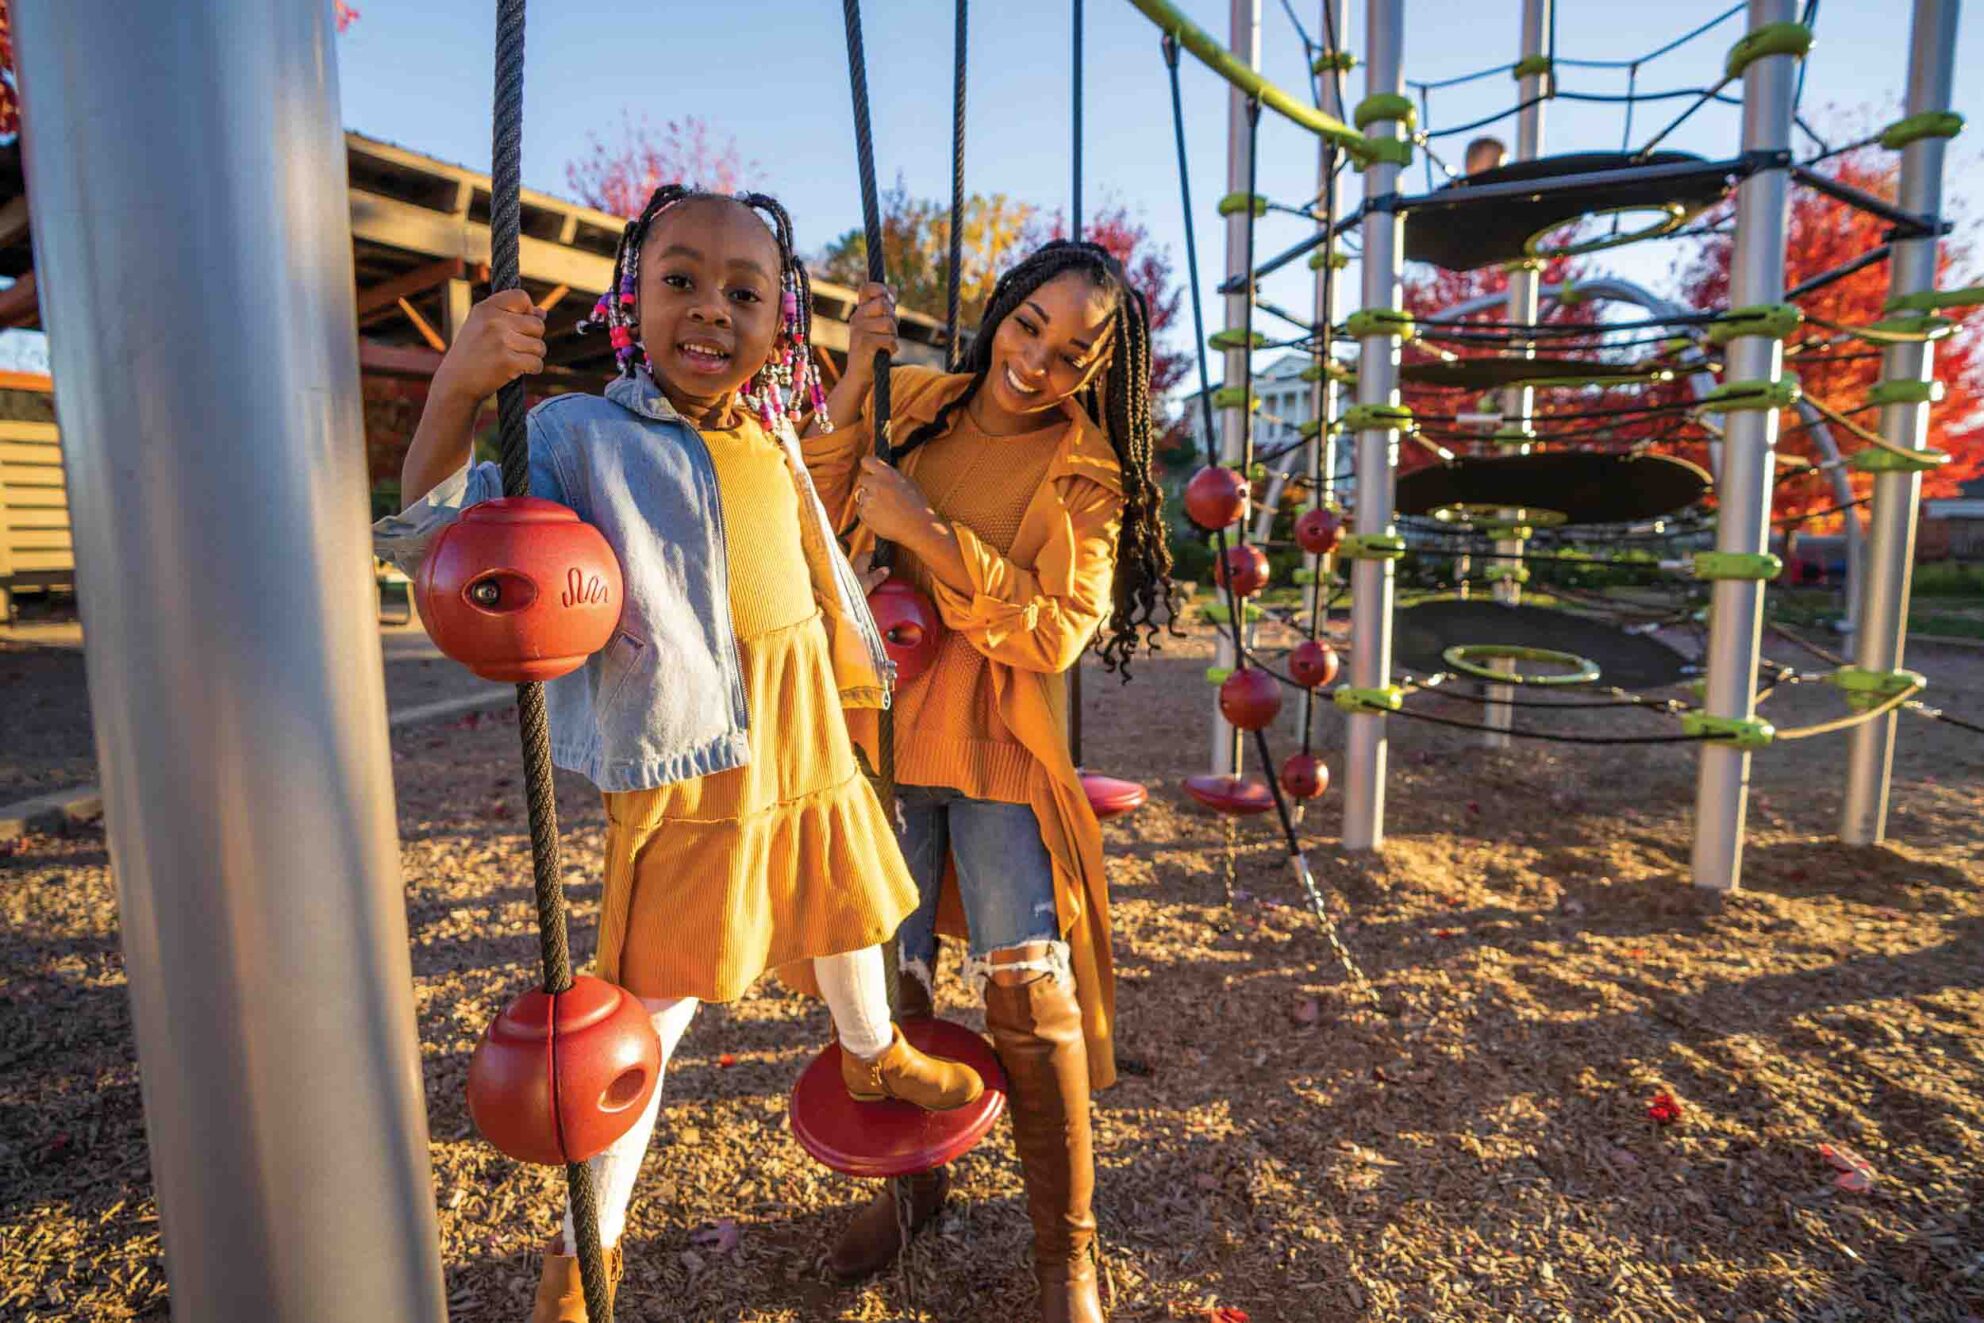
{"type": "Point", "coordinates": [1119, 400]}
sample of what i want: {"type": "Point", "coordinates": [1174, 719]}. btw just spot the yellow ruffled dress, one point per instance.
{"type": "Point", "coordinates": [712, 881]}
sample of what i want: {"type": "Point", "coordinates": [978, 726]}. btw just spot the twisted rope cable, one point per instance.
{"type": "Point", "coordinates": [952, 358]}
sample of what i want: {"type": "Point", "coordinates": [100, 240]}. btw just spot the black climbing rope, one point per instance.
{"type": "Point", "coordinates": [952, 356]}
{"type": "Point", "coordinates": [533, 725]}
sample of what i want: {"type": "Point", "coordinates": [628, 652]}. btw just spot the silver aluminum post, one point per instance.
{"type": "Point", "coordinates": [1245, 41]}
{"type": "Point", "coordinates": [1519, 402]}
{"type": "Point", "coordinates": [1748, 457]}
{"type": "Point", "coordinates": [1883, 624]}
{"type": "Point", "coordinates": [190, 227]}
{"type": "Point", "coordinates": [1377, 449]}
{"type": "Point", "coordinates": [1322, 447]}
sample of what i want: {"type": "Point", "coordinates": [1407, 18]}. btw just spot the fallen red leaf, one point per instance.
{"type": "Point", "coordinates": [726, 1060]}
{"type": "Point", "coordinates": [1226, 1314]}
{"type": "Point", "coordinates": [1664, 1109]}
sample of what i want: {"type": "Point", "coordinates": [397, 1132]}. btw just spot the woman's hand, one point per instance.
{"type": "Point", "coordinates": [871, 329]}
{"type": "Point", "coordinates": [892, 507]}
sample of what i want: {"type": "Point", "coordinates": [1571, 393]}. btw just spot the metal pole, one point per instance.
{"type": "Point", "coordinates": [1324, 303]}
{"type": "Point", "coordinates": [1722, 786]}
{"type": "Point", "coordinates": [1883, 630]}
{"type": "Point", "coordinates": [213, 442]}
{"type": "Point", "coordinates": [1519, 402]}
{"type": "Point", "coordinates": [1377, 450]}
{"type": "Point", "coordinates": [1244, 29]}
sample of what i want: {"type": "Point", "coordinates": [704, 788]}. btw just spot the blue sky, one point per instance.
{"type": "Point", "coordinates": [772, 75]}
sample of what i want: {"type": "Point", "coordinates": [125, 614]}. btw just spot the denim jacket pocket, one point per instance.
{"type": "Point", "coordinates": [618, 661]}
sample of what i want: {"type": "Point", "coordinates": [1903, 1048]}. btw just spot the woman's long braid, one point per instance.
{"type": "Point", "coordinates": [788, 386]}
{"type": "Point", "coordinates": [1119, 400]}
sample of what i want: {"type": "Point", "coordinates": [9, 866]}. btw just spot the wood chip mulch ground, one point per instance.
{"type": "Point", "coordinates": [1588, 1091]}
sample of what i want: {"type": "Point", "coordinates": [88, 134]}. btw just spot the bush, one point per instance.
{"type": "Point", "coordinates": [1949, 578]}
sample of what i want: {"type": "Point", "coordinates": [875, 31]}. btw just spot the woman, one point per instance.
{"type": "Point", "coordinates": [1022, 504]}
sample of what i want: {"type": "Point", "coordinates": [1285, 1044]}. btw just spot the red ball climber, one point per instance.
{"type": "Point", "coordinates": [910, 627]}
{"type": "Point", "coordinates": [1304, 776]}
{"type": "Point", "coordinates": [1312, 663]}
{"type": "Point", "coordinates": [1319, 531]}
{"type": "Point", "coordinates": [557, 1079]}
{"type": "Point", "coordinates": [1249, 698]}
{"type": "Point", "coordinates": [1248, 567]}
{"type": "Point", "coordinates": [519, 589]}
{"type": "Point", "coordinates": [1216, 497]}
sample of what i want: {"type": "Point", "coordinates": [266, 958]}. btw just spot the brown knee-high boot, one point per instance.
{"type": "Point", "coordinates": [1036, 1028]}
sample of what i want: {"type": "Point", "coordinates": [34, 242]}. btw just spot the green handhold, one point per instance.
{"type": "Point", "coordinates": [1785, 38]}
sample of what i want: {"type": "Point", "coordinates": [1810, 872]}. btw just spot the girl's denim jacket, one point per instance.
{"type": "Point", "coordinates": [664, 699]}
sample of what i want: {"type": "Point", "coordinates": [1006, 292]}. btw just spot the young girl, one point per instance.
{"type": "Point", "coordinates": [1025, 508]}
{"type": "Point", "coordinates": [741, 833]}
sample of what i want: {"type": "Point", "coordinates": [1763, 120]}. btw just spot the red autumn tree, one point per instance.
{"type": "Point", "coordinates": [346, 14]}
{"type": "Point", "coordinates": [619, 178]}
{"type": "Point", "coordinates": [1837, 371]}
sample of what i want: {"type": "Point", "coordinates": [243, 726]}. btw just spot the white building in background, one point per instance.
{"type": "Point", "coordinates": [1285, 405]}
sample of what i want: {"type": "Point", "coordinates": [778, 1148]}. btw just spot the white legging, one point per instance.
{"type": "Point", "coordinates": [857, 994]}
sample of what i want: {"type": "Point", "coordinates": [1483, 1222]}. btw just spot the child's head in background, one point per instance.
{"type": "Point", "coordinates": [710, 296]}
{"type": "Point", "coordinates": [1485, 154]}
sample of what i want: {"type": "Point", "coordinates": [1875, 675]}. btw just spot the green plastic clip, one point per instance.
{"type": "Point", "coordinates": [1771, 39]}
{"type": "Point", "coordinates": [1330, 368]}
{"type": "Point", "coordinates": [1313, 428]}
{"type": "Point", "coordinates": [1776, 320]}
{"type": "Point", "coordinates": [1737, 396]}
{"type": "Point", "coordinates": [1904, 391]}
{"type": "Point", "coordinates": [1385, 698]}
{"type": "Point", "coordinates": [1936, 300]}
{"type": "Point", "coordinates": [1236, 339]}
{"type": "Point", "coordinates": [1739, 732]}
{"type": "Point", "coordinates": [1232, 397]}
{"type": "Point", "coordinates": [1381, 321]}
{"type": "Point", "coordinates": [1235, 202]}
{"type": "Point", "coordinates": [1334, 62]}
{"type": "Point", "coordinates": [1504, 532]}
{"type": "Point", "coordinates": [1388, 151]}
{"type": "Point", "coordinates": [1879, 459]}
{"type": "Point", "coordinates": [1335, 257]}
{"type": "Point", "coordinates": [1513, 434]}
{"type": "Point", "coordinates": [1919, 326]}
{"type": "Point", "coordinates": [1219, 615]}
{"type": "Point", "coordinates": [1256, 472]}
{"type": "Point", "coordinates": [1928, 124]}
{"type": "Point", "coordinates": [1369, 417]}
{"type": "Point", "coordinates": [1531, 65]}
{"type": "Point", "coordinates": [1759, 565]}
{"type": "Point", "coordinates": [1865, 689]}
{"type": "Point", "coordinates": [1371, 546]}
{"type": "Point", "coordinates": [1507, 574]}
{"type": "Point", "coordinates": [1381, 106]}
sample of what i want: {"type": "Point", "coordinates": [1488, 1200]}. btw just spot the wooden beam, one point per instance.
{"type": "Point", "coordinates": [553, 297]}
{"type": "Point", "coordinates": [383, 220]}
{"type": "Point", "coordinates": [410, 284]}
{"type": "Point", "coordinates": [396, 360]}
{"type": "Point", "coordinates": [427, 332]}
{"type": "Point", "coordinates": [19, 303]}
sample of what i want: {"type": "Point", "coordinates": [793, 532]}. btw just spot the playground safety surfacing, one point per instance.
{"type": "Point", "coordinates": [1483, 1150]}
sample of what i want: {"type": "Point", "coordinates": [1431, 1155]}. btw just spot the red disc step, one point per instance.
{"type": "Point", "coordinates": [1111, 798]}
{"type": "Point", "coordinates": [890, 1138]}
{"type": "Point", "coordinates": [1241, 796]}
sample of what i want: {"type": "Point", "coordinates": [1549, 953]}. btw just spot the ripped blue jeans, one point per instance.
{"type": "Point", "coordinates": [1005, 879]}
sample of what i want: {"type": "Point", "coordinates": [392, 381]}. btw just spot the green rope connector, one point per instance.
{"type": "Point", "coordinates": [1381, 321]}
{"type": "Point", "coordinates": [1236, 339]}
{"type": "Point", "coordinates": [1775, 320]}
{"type": "Point", "coordinates": [1758, 565]}
{"type": "Point", "coordinates": [1387, 151]}
{"type": "Point", "coordinates": [1904, 391]}
{"type": "Point", "coordinates": [1737, 396]}
{"type": "Point", "coordinates": [1530, 65]}
{"type": "Point", "coordinates": [1506, 574]}
{"type": "Point", "coordinates": [1330, 368]}
{"type": "Point", "coordinates": [1866, 689]}
{"type": "Point", "coordinates": [1371, 546]}
{"type": "Point", "coordinates": [1237, 202]}
{"type": "Point", "coordinates": [1314, 428]}
{"type": "Point", "coordinates": [1770, 39]}
{"type": "Point", "coordinates": [1502, 532]}
{"type": "Point", "coordinates": [1256, 472]}
{"type": "Point", "coordinates": [1917, 327]}
{"type": "Point", "coordinates": [1334, 62]}
{"type": "Point", "coordinates": [1879, 459]}
{"type": "Point", "coordinates": [1928, 124]}
{"type": "Point", "coordinates": [1936, 300]}
{"type": "Point", "coordinates": [1219, 615]}
{"type": "Point", "coordinates": [1382, 106]}
{"type": "Point", "coordinates": [1372, 417]}
{"type": "Point", "coordinates": [1232, 397]}
{"type": "Point", "coordinates": [1513, 434]}
{"type": "Point", "coordinates": [1335, 257]}
{"type": "Point", "coordinates": [1568, 293]}
{"type": "Point", "coordinates": [1738, 732]}
{"type": "Point", "coordinates": [1385, 698]}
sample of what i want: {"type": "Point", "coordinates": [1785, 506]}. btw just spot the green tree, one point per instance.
{"type": "Point", "coordinates": [916, 250]}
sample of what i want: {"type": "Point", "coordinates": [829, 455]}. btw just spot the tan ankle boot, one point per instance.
{"type": "Point", "coordinates": [1036, 1028]}
{"type": "Point", "coordinates": [561, 1294]}
{"type": "Point", "coordinates": [872, 1240]}
{"type": "Point", "coordinates": [936, 1084]}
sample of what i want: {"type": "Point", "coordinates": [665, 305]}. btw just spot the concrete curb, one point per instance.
{"type": "Point", "coordinates": [84, 804]}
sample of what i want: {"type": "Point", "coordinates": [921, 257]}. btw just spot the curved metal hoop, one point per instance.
{"type": "Point", "coordinates": [1467, 658]}
{"type": "Point", "coordinates": [1671, 217]}
{"type": "Point", "coordinates": [1474, 512]}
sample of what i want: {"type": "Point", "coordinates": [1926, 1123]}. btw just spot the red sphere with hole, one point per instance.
{"type": "Point", "coordinates": [1319, 531]}
{"type": "Point", "coordinates": [1250, 698]}
{"type": "Point", "coordinates": [1248, 568]}
{"type": "Point", "coordinates": [1312, 663]}
{"type": "Point", "coordinates": [1216, 497]}
{"type": "Point", "coordinates": [910, 627]}
{"type": "Point", "coordinates": [519, 589]}
{"type": "Point", "coordinates": [557, 1079]}
{"type": "Point", "coordinates": [1304, 776]}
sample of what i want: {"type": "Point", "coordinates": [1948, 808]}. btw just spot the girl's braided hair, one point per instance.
{"type": "Point", "coordinates": [788, 385]}
{"type": "Point", "coordinates": [1118, 399]}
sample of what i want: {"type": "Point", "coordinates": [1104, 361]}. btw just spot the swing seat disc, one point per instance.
{"type": "Point", "coordinates": [889, 1138]}
{"type": "Point", "coordinates": [1237, 796]}
{"type": "Point", "coordinates": [1111, 798]}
